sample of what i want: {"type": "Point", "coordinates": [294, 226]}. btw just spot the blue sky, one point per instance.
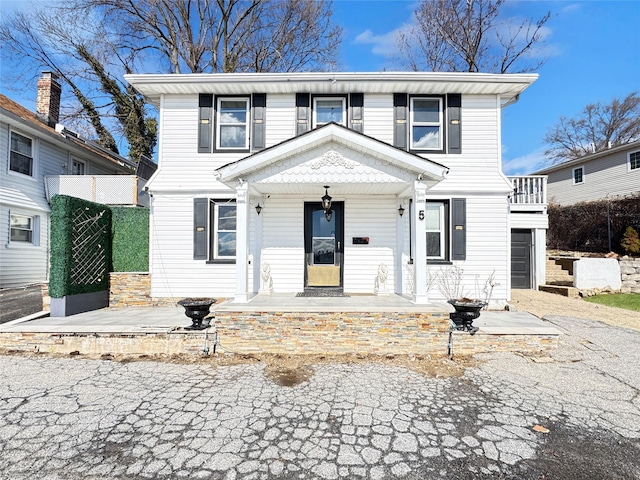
{"type": "Point", "coordinates": [593, 48]}
{"type": "Point", "coordinates": [594, 56]}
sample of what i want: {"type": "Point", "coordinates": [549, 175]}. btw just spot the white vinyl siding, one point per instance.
{"type": "Point", "coordinates": [24, 263]}
{"type": "Point", "coordinates": [373, 217]}
{"type": "Point", "coordinates": [488, 239]}
{"type": "Point", "coordinates": [378, 117]}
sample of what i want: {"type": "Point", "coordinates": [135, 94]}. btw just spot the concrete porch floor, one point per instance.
{"type": "Point", "coordinates": [128, 320]}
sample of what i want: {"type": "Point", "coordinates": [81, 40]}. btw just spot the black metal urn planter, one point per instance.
{"type": "Point", "coordinates": [196, 309]}
{"type": "Point", "coordinates": [467, 310]}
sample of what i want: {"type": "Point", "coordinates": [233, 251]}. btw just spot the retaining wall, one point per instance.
{"type": "Point", "coordinates": [630, 275]}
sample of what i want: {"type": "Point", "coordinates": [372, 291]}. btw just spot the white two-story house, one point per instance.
{"type": "Point", "coordinates": [361, 183]}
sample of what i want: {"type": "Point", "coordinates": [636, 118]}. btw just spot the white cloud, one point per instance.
{"type": "Point", "coordinates": [384, 45]}
{"type": "Point", "coordinates": [525, 164]}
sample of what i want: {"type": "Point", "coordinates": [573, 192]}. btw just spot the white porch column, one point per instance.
{"type": "Point", "coordinates": [419, 240]}
{"type": "Point", "coordinates": [242, 243]}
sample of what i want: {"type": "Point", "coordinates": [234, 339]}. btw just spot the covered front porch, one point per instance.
{"type": "Point", "coordinates": [331, 209]}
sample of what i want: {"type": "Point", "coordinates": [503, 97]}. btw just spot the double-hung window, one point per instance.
{"type": "Point", "coordinates": [426, 116]}
{"type": "Point", "coordinates": [233, 119]}
{"type": "Point", "coordinates": [24, 229]}
{"type": "Point", "coordinates": [578, 175]}
{"type": "Point", "coordinates": [436, 226]}
{"type": "Point", "coordinates": [329, 109]}
{"type": "Point", "coordinates": [223, 231]}
{"type": "Point", "coordinates": [634, 160]}
{"type": "Point", "coordinates": [21, 154]}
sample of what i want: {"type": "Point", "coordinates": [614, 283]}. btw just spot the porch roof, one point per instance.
{"type": "Point", "coordinates": [389, 170]}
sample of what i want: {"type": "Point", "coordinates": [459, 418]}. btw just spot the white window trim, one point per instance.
{"type": "Point", "coordinates": [443, 230]}
{"type": "Point", "coordinates": [637, 169]}
{"type": "Point", "coordinates": [77, 160]}
{"type": "Point", "coordinates": [247, 125]}
{"type": "Point", "coordinates": [34, 151]}
{"type": "Point", "coordinates": [35, 231]}
{"type": "Point", "coordinates": [573, 175]}
{"type": "Point", "coordinates": [213, 240]}
{"type": "Point", "coordinates": [440, 123]}
{"type": "Point", "coordinates": [343, 100]}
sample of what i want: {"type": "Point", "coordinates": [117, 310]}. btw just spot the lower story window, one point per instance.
{"type": "Point", "coordinates": [23, 229]}
{"type": "Point", "coordinates": [223, 232]}
{"type": "Point", "coordinates": [437, 226]}
{"type": "Point", "coordinates": [634, 161]}
{"type": "Point", "coordinates": [578, 175]}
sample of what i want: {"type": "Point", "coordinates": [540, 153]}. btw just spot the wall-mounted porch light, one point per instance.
{"type": "Point", "coordinates": [401, 210]}
{"type": "Point", "coordinates": [258, 209]}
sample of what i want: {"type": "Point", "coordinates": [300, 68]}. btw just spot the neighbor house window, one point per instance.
{"type": "Point", "coordinates": [223, 231]}
{"type": "Point", "coordinates": [426, 124]}
{"type": "Point", "coordinates": [233, 124]}
{"type": "Point", "coordinates": [21, 154]}
{"type": "Point", "coordinates": [23, 229]}
{"type": "Point", "coordinates": [77, 167]}
{"type": "Point", "coordinates": [634, 161]}
{"type": "Point", "coordinates": [437, 226]}
{"type": "Point", "coordinates": [578, 175]}
{"type": "Point", "coordinates": [327, 110]}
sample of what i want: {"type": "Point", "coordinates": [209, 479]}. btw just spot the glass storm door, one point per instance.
{"type": "Point", "coordinates": [324, 243]}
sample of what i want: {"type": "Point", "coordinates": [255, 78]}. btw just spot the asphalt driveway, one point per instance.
{"type": "Point", "coordinates": [571, 414]}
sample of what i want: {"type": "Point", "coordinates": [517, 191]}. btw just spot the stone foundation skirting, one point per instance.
{"type": "Point", "coordinates": [464, 344]}
{"type": "Point", "coordinates": [178, 342]}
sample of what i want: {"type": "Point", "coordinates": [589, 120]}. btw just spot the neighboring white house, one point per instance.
{"type": "Point", "coordinates": [411, 161]}
{"type": "Point", "coordinates": [35, 150]}
{"type": "Point", "coordinates": [608, 174]}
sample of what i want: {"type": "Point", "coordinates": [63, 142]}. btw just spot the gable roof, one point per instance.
{"type": "Point", "coordinates": [61, 135]}
{"type": "Point", "coordinates": [507, 86]}
{"type": "Point", "coordinates": [333, 134]}
{"type": "Point", "coordinates": [588, 158]}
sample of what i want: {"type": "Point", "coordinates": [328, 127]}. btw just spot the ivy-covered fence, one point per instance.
{"type": "Point", "coordinates": [80, 246]}
{"type": "Point", "coordinates": [89, 240]}
{"type": "Point", "coordinates": [593, 226]}
{"type": "Point", "coordinates": [130, 239]}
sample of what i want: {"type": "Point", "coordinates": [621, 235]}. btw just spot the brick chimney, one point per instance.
{"type": "Point", "coordinates": [48, 102]}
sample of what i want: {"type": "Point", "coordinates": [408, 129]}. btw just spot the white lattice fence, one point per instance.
{"type": "Point", "coordinates": [89, 262]}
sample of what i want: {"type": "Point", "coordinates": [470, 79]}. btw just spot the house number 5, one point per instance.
{"type": "Point", "coordinates": [421, 214]}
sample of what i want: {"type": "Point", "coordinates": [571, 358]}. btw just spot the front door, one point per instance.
{"type": "Point", "coordinates": [323, 245]}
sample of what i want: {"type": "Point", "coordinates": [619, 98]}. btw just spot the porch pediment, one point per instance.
{"type": "Point", "coordinates": [333, 155]}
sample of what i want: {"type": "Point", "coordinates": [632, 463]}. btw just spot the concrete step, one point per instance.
{"type": "Point", "coordinates": [565, 291]}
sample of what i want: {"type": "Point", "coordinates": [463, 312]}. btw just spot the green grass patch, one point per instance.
{"type": "Point", "coordinates": [628, 301]}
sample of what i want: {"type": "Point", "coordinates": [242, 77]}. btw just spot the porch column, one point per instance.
{"type": "Point", "coordinates": [242, 243]}
{"type": "Point", "coordinates": [419, 240]}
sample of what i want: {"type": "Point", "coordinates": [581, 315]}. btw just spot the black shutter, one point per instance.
{"type": "Point", "coordinates": [459, 228]}
{"type": "Point", "coordinates": [200, 228]}
{"type": "Point", "coordinates": [302, 113]}
{"type": "Point", "coordinates": [259, 104]}
{"type": "Point", "coordinates": [400, 120]}
{"type": "Point", "coordinates": [454, 107]}
{"type": "Point", "coordinates": [205, 123]}
{"type": "Point", "coordinates": [356, 103]}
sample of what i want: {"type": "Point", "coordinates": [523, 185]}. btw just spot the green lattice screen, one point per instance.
{"type": "Point", "coordinates": [80, 246]}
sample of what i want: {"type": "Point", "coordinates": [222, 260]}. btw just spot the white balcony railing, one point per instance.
{"type": "Point", "coordinates": [105, 189]}
{"type": "Point", "coordinates": [529, 192]}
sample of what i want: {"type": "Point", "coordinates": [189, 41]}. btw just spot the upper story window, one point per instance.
{"type": "Point", "coordinates": [21, 155]}
{"type": "Point", "coordinates": [426, 128]}
{"type": "Point", "coordinates": [77, 167]}
{"type": "Point", "coordinates": [578, 175]}
{"type": "Point", "coordinates": [634, 160]}
{"type": "Point", "coordinates": [232, 124]}
{"type": "Point", "coordinates": [329, 109]}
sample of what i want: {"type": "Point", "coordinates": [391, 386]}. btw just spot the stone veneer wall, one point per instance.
{"type": "Point", "coordinates": [630, 273]}
{"type": "Point", "coordinates": [133, 289]}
